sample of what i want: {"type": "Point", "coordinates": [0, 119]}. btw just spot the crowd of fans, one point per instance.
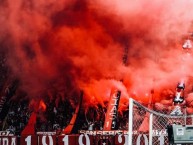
{"type": "Point", "coordinates": [17, 117]}
{"type": "Point", "coordinates": [56, 117]}
{"type": "Point", "coordinates": [57, 114]}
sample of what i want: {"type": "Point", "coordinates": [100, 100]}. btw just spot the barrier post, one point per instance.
{"type": "Point", "coordinates": [130, 129]}
{"type": "Point", "coordinates": [150, 128]}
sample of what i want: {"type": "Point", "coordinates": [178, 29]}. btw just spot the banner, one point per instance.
{"type": "Point", "coordinates": [111, 115]}
{"type": "Point", "coordinates": [80, 139]}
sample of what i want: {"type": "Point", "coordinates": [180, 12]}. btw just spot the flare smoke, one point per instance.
{"type": "Point", "coordinates": [67, 45]}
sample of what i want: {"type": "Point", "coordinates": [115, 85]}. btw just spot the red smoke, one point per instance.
{"type": "Point", "coordinates": [68, 45]}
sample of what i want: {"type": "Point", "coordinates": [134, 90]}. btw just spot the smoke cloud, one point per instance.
{"type": "Point", "coordinates": [69, 45]}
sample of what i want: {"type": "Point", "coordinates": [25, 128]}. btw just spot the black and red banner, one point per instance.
{"type": "Point", "coordinates": [79, 139]}
{"type": "Point", "coordinates": [111, 115]}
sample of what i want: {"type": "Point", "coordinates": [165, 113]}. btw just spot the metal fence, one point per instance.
{"type": "Point", "coordinates": [148, 127]}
